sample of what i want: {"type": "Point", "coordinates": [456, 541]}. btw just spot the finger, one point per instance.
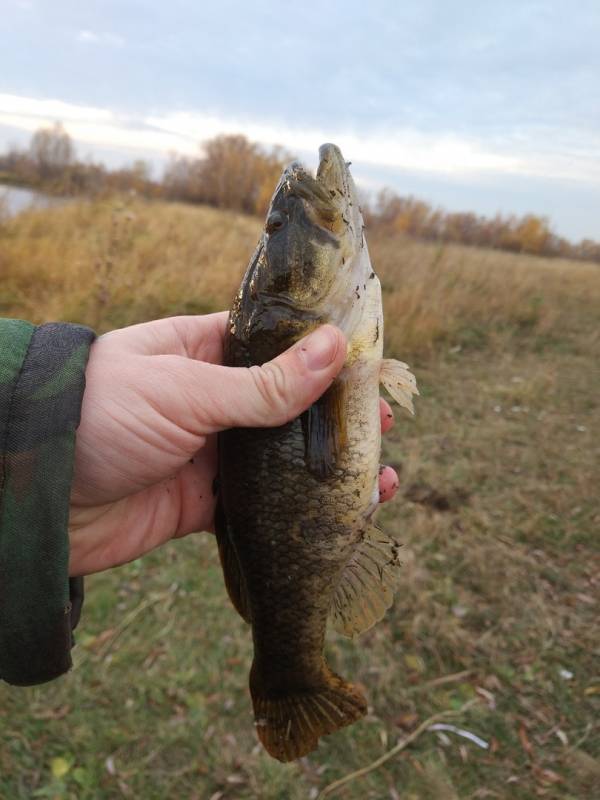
{"type": "Point", "coordinates": [198, 489]}
{"type": "Point", "coordinates": [388, 484]}
{"type": "Point", "coordinates": [199, 337]}
{"type": "Point", "coordinates": [387, 416]}
{"type": "Point", "coordinates": [203, 337]}
{"type": "Point", "coordinates": [270, 395]}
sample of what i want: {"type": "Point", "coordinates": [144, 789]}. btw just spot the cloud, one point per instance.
{"type": "Point", "coordinates": [531, 152]}
{"type": "Point", "coordinates": [111, 39]}
{"type": "Point", "coordinates": [91, 125]}
{"type": "Point", "coordinates": [50, 109]}
{"type": "Point", "coordinates": [184, 131]}
{"type": "Point", "coordinates": [407, 148]}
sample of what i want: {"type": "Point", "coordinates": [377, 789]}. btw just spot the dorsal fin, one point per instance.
{"type": "Point", "coordinates": [366, 588]}
{"type": "Point", "coordinates": [399, 381]}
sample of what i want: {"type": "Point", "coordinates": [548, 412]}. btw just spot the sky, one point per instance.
{"type": "Point", "coordinates": [478, 106]}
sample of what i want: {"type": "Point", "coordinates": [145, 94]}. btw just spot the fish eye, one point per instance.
{"type": "Point", "coordinates": [275, 222]}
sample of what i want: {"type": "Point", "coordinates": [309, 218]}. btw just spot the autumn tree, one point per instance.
{"type": "Point", "coordinates": [533, 235]}
{"type": "Point", "coordinates": [51, 151]}
{"type": "Point", "coordinates": [232, 173]}
{"type": "Point", "coordinates": [237, 173]}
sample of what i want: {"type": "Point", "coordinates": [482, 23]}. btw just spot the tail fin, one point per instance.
{"type": "Point", "coordinates": [290, 725]}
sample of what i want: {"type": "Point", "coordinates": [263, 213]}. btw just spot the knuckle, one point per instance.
{"type": "Point", "coordinates": [272, 387]}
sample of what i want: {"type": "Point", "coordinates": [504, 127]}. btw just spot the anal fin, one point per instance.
{"type": "Point", "coordinates": [399, 381]}
{"type": "Point", "coordinates": [234, 578]}
{"type": "Point", "coordinates": [366, 588]}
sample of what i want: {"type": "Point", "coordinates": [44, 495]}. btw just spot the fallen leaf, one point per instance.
{"type": "Point", "coordinates": [414, 662]}
{"type": "Point", "coordinates": [52, 713]}
{"type": "Point", "coordinates": [407, 721]}
{"type": "Point", "coordinates": [525, 743]}
{"type": "Point", "coordinates": [547, 775]}
{"type": "Point", "coordinates": [59, 767]}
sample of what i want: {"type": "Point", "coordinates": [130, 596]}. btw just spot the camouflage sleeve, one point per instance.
{"type": "Point", "coordinates": [41, 386]}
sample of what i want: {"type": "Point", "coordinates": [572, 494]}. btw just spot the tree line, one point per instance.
{"type": "Point", "coordinates": [235, 173]}
{"type": "Point", "coordinates": [519, 234]}
{"type": "Point", "coordinates": [50, 164]}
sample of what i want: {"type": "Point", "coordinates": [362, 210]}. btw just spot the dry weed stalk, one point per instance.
{"type": "Point", "coordinates": [402, 744]}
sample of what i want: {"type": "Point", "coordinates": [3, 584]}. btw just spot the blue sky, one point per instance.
{"type": "Point", "coordinates": [471, 105]}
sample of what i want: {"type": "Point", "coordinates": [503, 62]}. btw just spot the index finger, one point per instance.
{"type": "Point", "coordinates": [196, 336]}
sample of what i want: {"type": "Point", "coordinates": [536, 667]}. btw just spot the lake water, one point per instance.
{"type": "Point", "coordinates": [16, 199]}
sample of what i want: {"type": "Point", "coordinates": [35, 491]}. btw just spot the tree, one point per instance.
{"type": "Point", "coordinates": [533, 234]}
{"type": "Point", "coordinates": [237, 173]}
{"type": "Point", "coordinates": [233, 173]}
{"type": "Point", "coordinates": [52, 151]}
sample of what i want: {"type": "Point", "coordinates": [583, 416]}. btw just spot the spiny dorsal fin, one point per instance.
{"type": "Point", "coordinates": [399, 381]}
{"type": "Point", "coordinates": [366, 588]}
{"type": "Point", "coordinates": [234, 578]}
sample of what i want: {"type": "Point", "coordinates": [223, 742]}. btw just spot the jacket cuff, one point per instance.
{"type": "Point", "coordinates": [42, 379]}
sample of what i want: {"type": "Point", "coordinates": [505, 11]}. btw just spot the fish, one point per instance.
{"type": "Point", "coordinates": [294, 520]}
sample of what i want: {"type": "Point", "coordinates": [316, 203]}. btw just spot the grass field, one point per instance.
{"type": "Point", "coordinates": [498, 513]}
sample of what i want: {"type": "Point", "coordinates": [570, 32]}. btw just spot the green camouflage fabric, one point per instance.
{"type": "Point", "coordinates": [41, 387]}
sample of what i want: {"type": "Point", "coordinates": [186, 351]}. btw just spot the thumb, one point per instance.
{"type": "Point", "coordinates": [276, 392]}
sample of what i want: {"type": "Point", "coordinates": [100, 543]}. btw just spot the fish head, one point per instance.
{"type": "Point", "coordinates": [312, 254]}
{"type": "Point", "coordinates": [311, 264]}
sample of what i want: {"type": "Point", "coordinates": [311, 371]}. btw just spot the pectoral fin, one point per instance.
{"type": "Point", "coordinates": [324, 429]}
{"type": "Point", "coordinates": [367, 586]}
{"type": "Point", "coordinates": [234, 578]}
{"type": "Point", "coordinates": [399, 381]}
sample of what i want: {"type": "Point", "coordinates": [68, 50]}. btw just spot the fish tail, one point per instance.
{"type": "Point", "coordinates": [289, 724]}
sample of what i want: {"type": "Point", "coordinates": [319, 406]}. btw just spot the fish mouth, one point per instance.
{"type": "Point", "coordinates": [333, 175]}
{"type": "Point", "coordinates": [331, 195]}
{"type": "Point", "coordinates": [332, 172]}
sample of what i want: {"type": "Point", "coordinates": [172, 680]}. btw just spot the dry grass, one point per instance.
{"type": "Point", "coordinates": [110, 263]}
{"type": "Point", "coordinates": [498, 515]}
{"type": "Point", "coordinates": [435, 293]}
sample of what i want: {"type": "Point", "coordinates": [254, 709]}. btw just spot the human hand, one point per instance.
{"type": "Point", "coordinates": [156, 396]}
